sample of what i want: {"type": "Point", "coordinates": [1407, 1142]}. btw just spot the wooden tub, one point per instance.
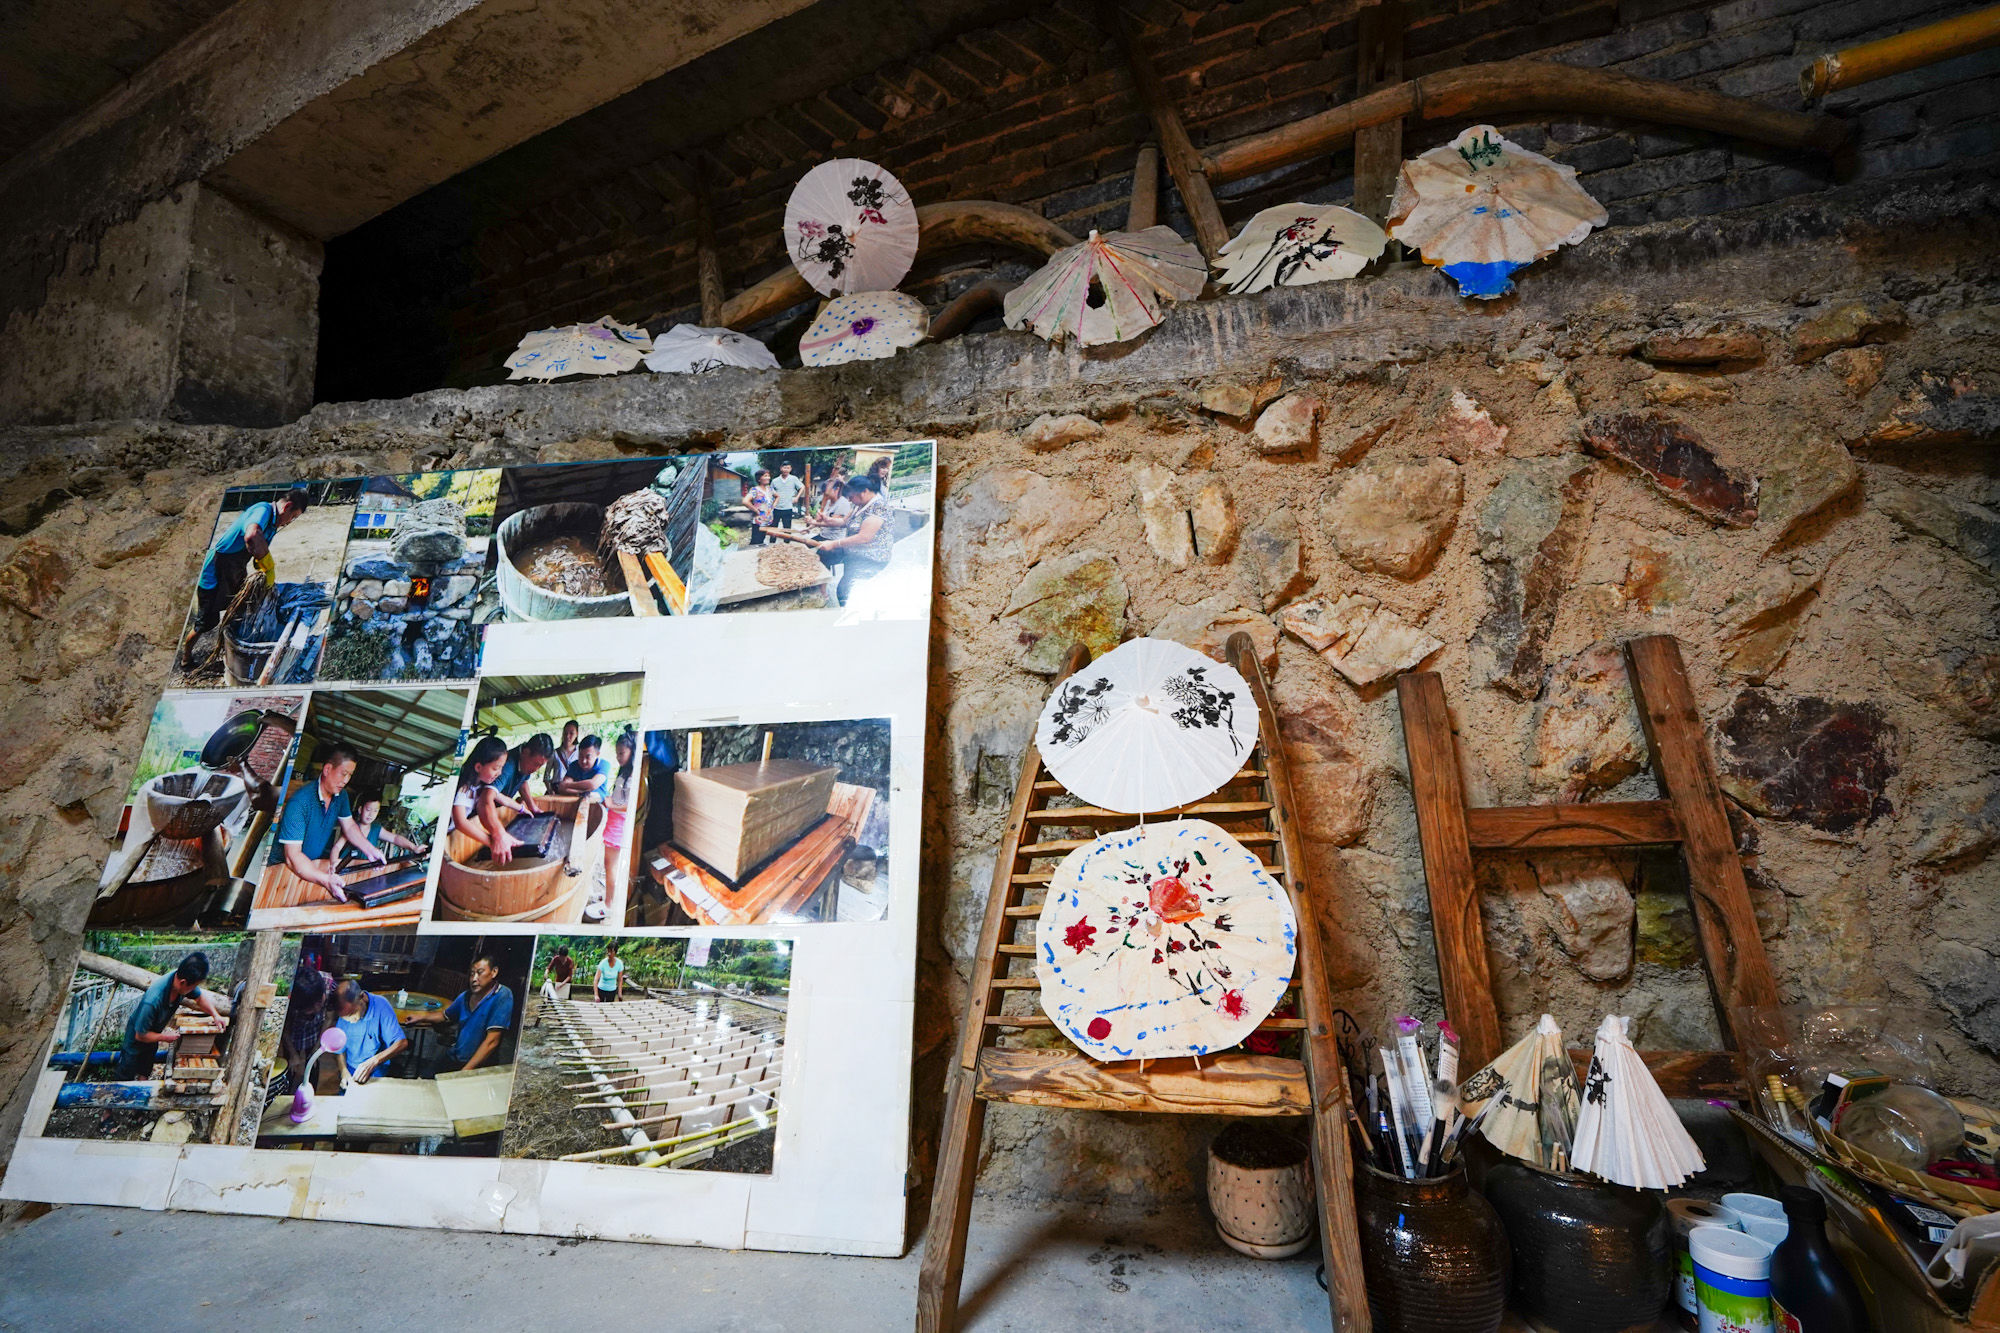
{"type": "Point", "coordinates": [527, 888]}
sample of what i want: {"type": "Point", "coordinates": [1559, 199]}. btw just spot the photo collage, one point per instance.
{"type": "Point", "coordinates": [487, 881]}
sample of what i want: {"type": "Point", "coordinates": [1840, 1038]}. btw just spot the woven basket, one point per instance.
{"type": "Point", "coordinates": [1952, 1196]}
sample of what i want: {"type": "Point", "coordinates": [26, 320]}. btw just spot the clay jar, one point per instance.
{"type": "Point", "coordinates": [1589, 1256]}
{"type": "Point", "coordinates": [1260, 1189]}
{"type": "Point", "coordinates": [1433, 1252]}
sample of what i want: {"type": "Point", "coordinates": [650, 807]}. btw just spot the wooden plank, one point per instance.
{"type": "Point", "coordinates": [130, 974]}
{"type": "Point", "coordinates": [780, 885]}
{"type": "Point", "coordinates": [1378, 149]}
{"type": "Point", "coordinates": [1227, 1083]}
{"type": "Point", "coordinates": [671, 586]}
{"type": "Point", "coordinates": [1605, 824]}
{"type": "Point", "coordinates": [330, 919]}
{"type": "Point", "coordinates": [1690, 1075]}
{"type": "Point", "coordinates": [1725, 923]}
{"type": "Point", "coordinates": [1184, 163]}
{"type": "Point", "coordinates": [1091, 814]}
{"type": "Point", "coordinates": [943, 1271]}
{"type": "Point", "coordinates": [243, 1035]}
{"type": "Point", "coordinates": [636, 586]}
{"type": "Point", "coordinates": [1144, 210]}
{"type": "Point", "coordinates": [1447, 852]}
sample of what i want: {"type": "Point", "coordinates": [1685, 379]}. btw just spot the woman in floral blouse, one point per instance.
{"type": "Point", "coordinates": [865, 549]}
{"type": "Point", "coordinates": [762, 500]}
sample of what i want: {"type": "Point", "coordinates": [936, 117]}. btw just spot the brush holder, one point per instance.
{"type": "Point", "coordinates": [1433, 1252]}
{"type": "Point", "coordinates": [1589, 1256]}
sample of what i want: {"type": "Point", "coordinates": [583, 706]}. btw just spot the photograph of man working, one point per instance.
{"type": "Point", "coordinates": [317, 814]}
{"type": "Point", "coordinates": [374, 1037]}
{"type": "Point", "coordinates": [151, 1023]}
{"type": "Point", "coordinates": [483, 1012]}
{"type": "Point", "coordinates": [243, 542]}
{"type": "Point", "coordinates": [368, 814]}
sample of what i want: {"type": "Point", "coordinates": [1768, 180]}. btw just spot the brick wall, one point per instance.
{"type": "Point", "coordinates": [1039, 111]}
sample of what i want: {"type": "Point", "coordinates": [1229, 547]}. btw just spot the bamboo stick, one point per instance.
{"type": "Point", "coordinates": [1905, 51]}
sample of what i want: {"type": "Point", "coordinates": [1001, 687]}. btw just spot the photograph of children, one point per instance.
{"type": "Point", "coordinates": [143, 1043]}
{"type": "Point", "coordinates": [540, 818]}
{"type": "Point", "coordinates": [413, 588]}
{"type": "Point", "coordinates": [264, 595]}
{"type": "Point", "coordinates": [755, 825]}
{"type": "Point", "coordinates": [575, 540]}
{"type": "Point", "coordinates": [804, 529]}
{"type": "Point", "coordinates": [652, 1052]}
{"type": "Point", "coordinates": [370, 784]}
{"type": "Point", "coordinates": [398, 1042]}
{"type": "Point", "coordinates": [206, 789]}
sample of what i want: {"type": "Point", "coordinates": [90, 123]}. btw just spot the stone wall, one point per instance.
{"type": "Point", "coordinates": [1770, 434]}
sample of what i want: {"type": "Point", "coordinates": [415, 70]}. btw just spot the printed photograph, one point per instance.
{"type": "Point", "coordinates": [578, 540]}
{"type": "Point", "coordinates": [203, 799]}
{"type": "Point", "coordinates": [805, 529]}
{"type": "Point", "coordinates": [398, 1043]}
{"type": "Point", "coordinates": [759, 825]}
{"type": "Point", "coordinates": [147, 1043]}
{"type": "Point", "coordinates": [540, 814]}
{"type": "Point", "coordinates": [413, 589]}
{"type": "Point", "coordinates": [652, 1052]}
{"type": "Point", "coordinates": [371, 782]}
{"type": "Point", "coordinates": [264, 595]}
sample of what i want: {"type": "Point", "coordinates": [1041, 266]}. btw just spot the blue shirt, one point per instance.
{"type": "Point", "coordinates": [597, 774]}
{"type": "Point", "coordinates": [495, 1011]}
{"type": "Point", "coordinates": [374, 1029]}
{"type": "Point", "coordinates": [154, 1011]}
{"type": "Point", "coordinates": [309, 823]}
{"type": "Point", "coordinates": [513, 777]}
{"type": "Point", "coordinates": [263, 516]}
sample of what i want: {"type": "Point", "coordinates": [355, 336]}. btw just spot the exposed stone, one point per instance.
{"type": "Point", "coordinates": [1215, 524]}
{"type": "Point", "coordinates": [77, 779]}
{"type": "Point", "coordinates": [1071, 599]}
{"type": "Point", "coordinates": [91, 628]}
{"type": "Point", "coordinates": [1322, 623]}
{"type": "Point", "coordinates": [1964, 682]}
{"type": "Point", "coordinates": [1595, 912]}
{"type": "Point", "coordinates": [1859, 368]}
{"type": "Point", "coordinates": [1010, 513]}
{"type": "Point", "coordinates": [1358, 638]}
{"type": "Point", "coordinates": [453, 590]}
{"type": "Point", "coordinates": [1665, 928]}
{"type": "Point", "coordinates": [1531, 531]}
{"type": "Point", "coordinates": [1048, 431]}
{"type": "Point", "coordinates": [166, 491]}
{"type": "Point", "coordinates": [397, 587]}
{"type": "Point", "coordinates": [361, 609]}
{"type": "Point", "coordinates": [1289, 425]}
{"type": "Point", "coordinates": [1587, 735]}
{"type": "Point", "coordinates": [429, 533]}
{"type": "Point", "coordinates": [1704, 345]}
{"type": "Point", "coordinates": [1759, 621]}
{"type": "Point", "coordinates": [27, 739]}
{"type": "Point", "coordinates": [1668, 389]}
{"type": "Point", "coordinates": [1808, 477]}
{"type": "Point", "coordinates": [1848, 324]}
{"type": "Point", "coordinates": [1677, 463]}
{"type": "Point", "coordinates": [374, 567]}
{"type": "Point", "coordinates": [34, 577]}
{"type": "Point", "coordinates": [1469, 430]}
{"type": "Point", "coordinates": [1240, 401]}
{"type": "Point", "coordinates": [1654, 580]}
{"type": "Point", "coordinates": [1345, 444]}
{"type": "Point", "coordinates": [1207, 625]}
{"type": "Point", "coordinates": [1394, 518]}
{"type": "Point", "coordinates": [970, 885]}
{"type": "Point", "coordinates": [1939, 408]}
{"type": "Point", "coordinates": [368, 589]}
{"type": "Point", "coordinates": [1958, 823]}
{"type": "Point", "coordinates": [392, 606]}
{"type": "Point", "coordinates": [1272, 551]}
{"type": "Point", "coordinates": [1168, 530]}
{"type": "Point", "coordinates": [1969, 529]}
{"type": "Point", "coordinates": [1823, 762]}
{"type": "Point", "coordinates": [144, 537]}
{"type": "Point", "coordinates": [1966, 981]}
{"type": "Point", "coordinates": [1331, 786]}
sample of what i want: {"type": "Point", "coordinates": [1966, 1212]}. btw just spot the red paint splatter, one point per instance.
{"type": "Point", "coordinates": [1081, 935]}
{"type": "Point", "coordinates": [1173, 900]}
{"type": "Point", "coordinates": [1232, 1004]}
{"type": "Point", "coordinates": [1100, 1028]}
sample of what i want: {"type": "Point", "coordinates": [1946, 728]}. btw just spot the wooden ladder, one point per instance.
{"type": "Point", "coordinates": [1689, 814]}
{"type": "Point", "coordinates": [1256, 807]}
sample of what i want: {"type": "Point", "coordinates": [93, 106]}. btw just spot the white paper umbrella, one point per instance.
{"type": "Point", "coordinates": [603, 348]}
{"type": "Point", "coordinates": [1482, 206]}
{"type": "Point", "coordinates": [689, 349]}
{"type": "Point", "coordinates": [850, 227]}
{"type": "Point", "coordinates": [1127, 274]}
{"type": "Point", "coordinates": [1505, 1098]}
{"type": "Point", "coordinates": [1164, 940]}
{"type": "Point", "coordinates": [1294, 244]}
{"type": "Point", "coordinates": [1151, 725]}
{"type": "Point", "coordinates": [864, 327]}
{"type": "Point", "coordinates": [1628, 1132]}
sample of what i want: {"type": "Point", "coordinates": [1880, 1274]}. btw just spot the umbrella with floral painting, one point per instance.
{"type": "Point", "coordinates": [850, 227]}
{"type": "Point", "coordinates": [1163, 940]}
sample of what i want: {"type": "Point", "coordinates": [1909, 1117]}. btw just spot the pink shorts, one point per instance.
{"type": "Point", "coordinates": [614, 827]}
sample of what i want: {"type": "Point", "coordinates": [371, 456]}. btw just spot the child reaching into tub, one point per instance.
{"type": "Point", "coordinates": [475, 810]}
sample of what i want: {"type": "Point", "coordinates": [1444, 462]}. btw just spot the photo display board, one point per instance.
{"type": "Point", "coordinates": [525, 849]}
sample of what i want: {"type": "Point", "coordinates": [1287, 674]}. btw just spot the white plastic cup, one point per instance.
{"type": "Point", "coordinates": [1773, 1229]}
{"type": "Point", "coordinates": [1754, 1205]}
{"type": "Point", "coordinates": [1732, 1280]}
{"type": "Point", "coordinates": [1684, 1215]}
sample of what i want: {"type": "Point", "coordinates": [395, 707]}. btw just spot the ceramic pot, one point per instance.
{"type": "Point", "coordinates": [1433, 1252]}
{"type": "Point", "coordinates": [1589, 1256]}
{"type": "Point", "coordinates": [1260, 1189]}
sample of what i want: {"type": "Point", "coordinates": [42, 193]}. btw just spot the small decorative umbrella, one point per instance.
{"type": "Point", "coordinates": [690, 349]}
{"type": "Point", "coordinates": [1151, 725]}
{"type": "Point", "coordinates": [1523, 1100]}
{"type": "Point", "coordinates": [1482, 206]}
{"type": "Point", "coordinates": [850, 227]}
{"type": "Point", "coordinates": [1294, 244]}
{"type": "Point", "coordinates": [1163, 940]}
{"type": "Point", "coordinates": [603, 348]}
{"type": "Point", "coordinates": [866, 326]}
{"type": "Point", "coordinates": [1108, 288]}
{"type": "Point", "coordinates": [1628, 1132]}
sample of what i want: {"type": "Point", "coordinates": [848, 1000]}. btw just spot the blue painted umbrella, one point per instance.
{"type": "Point", "coordinates": [602, 348]}
{"type": "Point", "coordinates": [1481, 207]}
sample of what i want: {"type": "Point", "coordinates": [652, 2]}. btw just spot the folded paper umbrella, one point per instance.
{"type": "Point", "coordinates": [690, 349]}
{"type": "Point", "coordinates": [866, 326]}
{"type": "Point", "coordinates": [850, 227]}
{"type": "Point", "coordinates": [1109, 288]}
{"type": "Point", "coordinates": [1294, 244]}
{"type": "Point", "coordinates": [1503, 1100]}
{"type": "Point", "coordinates": [1150, 725]}
{"type": "Point", "coordinates": [1627, 1131]}
{"type": "Point", "coordinates": [1481, 206]}
{"type": "Point", "coordinates": [603, 348]}
{"type": "Point", "coordinates": [1163, 940]}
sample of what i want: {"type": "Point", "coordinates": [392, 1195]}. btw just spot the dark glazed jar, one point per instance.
{"type": "Point", "coordinates": [1589, 1256]}
{"type": "Point", "coordinates": [1433, 1252]}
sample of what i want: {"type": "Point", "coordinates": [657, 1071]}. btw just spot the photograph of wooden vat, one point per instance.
{"type": "Point", "coordinates": [782, 823]}
{"type": "Point", "coordinates": [542, 805]}
{"type": "Point", "coordinates": [353, 842]}
{"type": "Point", "coordinates": [578, 540]}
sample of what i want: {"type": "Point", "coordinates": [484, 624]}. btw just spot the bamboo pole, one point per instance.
{"type": "Point", "coordinates": [1184, 162]}
{"type": "Point", "coordinates": [1144, 210]}
{"type": "Point", "coordinates": [1904, 51]}
{"type": "Point", "coordinates": [263, 960]}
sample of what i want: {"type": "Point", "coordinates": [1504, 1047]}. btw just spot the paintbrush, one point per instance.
{"type": "Point", "coordinates": [1444, 1101]}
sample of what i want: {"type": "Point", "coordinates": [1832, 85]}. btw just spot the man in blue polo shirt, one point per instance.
{"type": "Point", "coordinates": [227, 565]}
{"type": "Point", "coordinates": [590, 776]}
{"type": "Point", "coordinates": [483, 1011]}
{"type": "Point", "coordinates": [151, 1022]}
{"type": "Point", "coordinates": [315, 815]}
{"type": "Point", "coordinates": [524, 761]}
{"type": "Point", "coordinates": [374, 1037]}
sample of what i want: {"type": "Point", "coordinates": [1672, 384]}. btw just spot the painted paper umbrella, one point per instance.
{"type": "Point", "coordinates": [1294, 244]}
{"type": "Point", "coordinates": [850, 227]}
{"type": "Point", "coordinates": [1109, 288]}
{"type": "Point", "coordinates": [1163, 940]}
{"type": "Point", "coordinates": [605, 347]}
{"type": "Point", "coordinates": [866, 326]}
{"type": "Point", "coordinates": [1505, 1099]}
{"type": "Point", "coordinates": [1150, 725]}
{"type": "Point", "coordinates": [1481, 206]}
{"type": "Point", "coordinates": [1628, 1132]}
{"type": "Point", "coordinates": [690, 349]}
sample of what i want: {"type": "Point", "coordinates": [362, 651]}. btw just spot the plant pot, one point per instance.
{"type": "Point", "coordinates": [1433, 1252]}
{"type": "Point", "coordinates": [1589, 1256]}
{"type": "Point", "coordinates": [1260, 1189]}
